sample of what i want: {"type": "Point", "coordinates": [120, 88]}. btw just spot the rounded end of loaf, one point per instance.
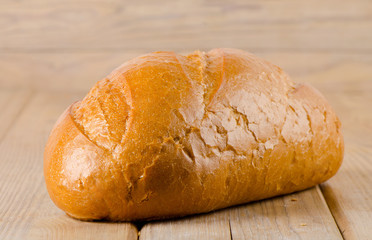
{"type": "Point", "coordinates": [74, 171]}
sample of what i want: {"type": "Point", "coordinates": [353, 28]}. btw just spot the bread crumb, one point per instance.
{"type": "Point", "coordinates": [293, 199]}
{"type": "Point", "coordinates": [303, 224]}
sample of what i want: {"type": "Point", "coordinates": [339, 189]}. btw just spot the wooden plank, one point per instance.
{"type": "Point", "coordinates": [79, 71]}
{"type": "Point", "coordinates": [349, 193]}
{"type": "Point", "coordinates": [176, 25]}
{"type": "Point", "coordinates": [11, 104]}
{"type": "Point", "coordinates": [206, 226]}
{"type": "Point", "coordinates": [26, 211]}
{"type": "Point", "coordinates": [302, 215]}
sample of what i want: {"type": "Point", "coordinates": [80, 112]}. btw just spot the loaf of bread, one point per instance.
{"type": "Point", "coordinates": [167, 135]}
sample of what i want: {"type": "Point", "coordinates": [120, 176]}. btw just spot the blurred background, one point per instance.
{"type": "Point", "coordinates": [69, 45]}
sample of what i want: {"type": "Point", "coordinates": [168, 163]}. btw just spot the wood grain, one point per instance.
{"type": "Point", "coordinates": [12, 102]}
{"type": "Point", "coordinates": [302, 215]}
{"type": "Point", "coordinates": [318, 25]}
{"type": "Point", "coordinates": [205, 226]}
{"type": "Point", "coordinates": [26, 211]}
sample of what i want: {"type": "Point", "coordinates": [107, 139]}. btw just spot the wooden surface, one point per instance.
{"type": "Point", "coordinates": [52, 52]}
{"type": "Point", "coordinates": [301, 215]}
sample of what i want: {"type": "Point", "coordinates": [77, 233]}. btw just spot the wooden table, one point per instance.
{"type": "Point", "coordinates": [52, 52]}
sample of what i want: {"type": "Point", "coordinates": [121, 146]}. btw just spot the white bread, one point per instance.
{"type": "Point", "coordinates": [166, 135]}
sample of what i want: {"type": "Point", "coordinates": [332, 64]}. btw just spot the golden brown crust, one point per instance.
{"type": "Point", "coordinates": [167, 135]}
